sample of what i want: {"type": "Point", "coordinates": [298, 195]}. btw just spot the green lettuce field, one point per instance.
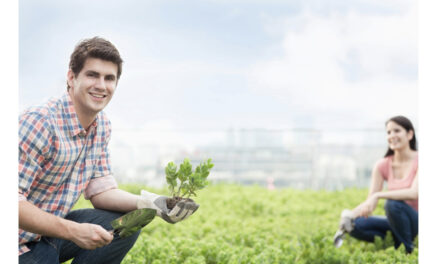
{"type": "Point", "coordinates": [250, 224]}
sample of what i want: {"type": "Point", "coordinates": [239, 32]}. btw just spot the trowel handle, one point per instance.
{"type": "Point", "coordinates": [113, 232]}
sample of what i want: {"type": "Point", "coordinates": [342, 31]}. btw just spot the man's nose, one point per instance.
{"type": "Point", "coordinates": [100, 83]}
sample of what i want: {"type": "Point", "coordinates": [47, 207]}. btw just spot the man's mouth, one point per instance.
{"type": "Point", "coordinates": [98, 95]}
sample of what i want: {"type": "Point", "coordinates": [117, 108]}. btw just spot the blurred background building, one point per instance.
{"type": "Point", "coordinates": [296, 158]}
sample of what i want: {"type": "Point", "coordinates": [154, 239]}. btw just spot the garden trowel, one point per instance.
{"type": "Point", "coordinates": [133, 221]}
{"type": "Point", "coordinates": [338, 239]}
{"type": "Point", "coordinates": [346, 225]}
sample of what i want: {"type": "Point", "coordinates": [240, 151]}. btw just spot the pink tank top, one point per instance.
{"type": "Point", "coordinates": [386, 170]}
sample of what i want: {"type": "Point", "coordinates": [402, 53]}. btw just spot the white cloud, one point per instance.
{"type": "Point", "coordinates": [352, 62]}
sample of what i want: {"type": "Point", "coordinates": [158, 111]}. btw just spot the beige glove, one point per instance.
{"type": "Point", "coordinates": [181, 211]}
{"type": "Point", "coordinates": [346, 222]}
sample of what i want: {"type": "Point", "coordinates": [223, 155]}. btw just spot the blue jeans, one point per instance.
{"type": "Point", "coordinates": [401, 219]}
{"type": "Point", "coordinates": [54, 250]}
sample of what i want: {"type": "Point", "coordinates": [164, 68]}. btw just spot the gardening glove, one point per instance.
{"type": "Point", "coordinates": [181, 211]}
{"type": "Point", "coordinates": [346, 225]}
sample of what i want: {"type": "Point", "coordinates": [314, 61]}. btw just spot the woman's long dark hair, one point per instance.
{"type": "Point", "coordinates": [408, 126]}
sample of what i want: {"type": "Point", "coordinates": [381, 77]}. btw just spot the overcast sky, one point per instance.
{"type": "Point", "coordinates": [233, 64]}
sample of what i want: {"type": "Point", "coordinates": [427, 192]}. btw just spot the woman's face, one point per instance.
{"type": "Point", "coordinates": [398, 137]}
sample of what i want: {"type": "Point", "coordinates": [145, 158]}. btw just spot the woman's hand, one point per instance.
{"type": "Point", "coordinates": [367, 207]}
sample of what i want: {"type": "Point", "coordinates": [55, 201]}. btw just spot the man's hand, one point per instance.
{"type": "Point", "coordinates": [90, 236]}
{"type": "Point", "coordinates": [181, 211]}
{"type": "Point", "coordinates": [35, 220]}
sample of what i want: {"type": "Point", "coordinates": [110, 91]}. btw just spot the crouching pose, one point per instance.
{"type": "Point", "coordinates": [63, 152]}
{"type": "Point", "coordinates": [399, 169]}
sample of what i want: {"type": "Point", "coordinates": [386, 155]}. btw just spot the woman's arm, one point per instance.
{"type": "Point", "coordinates": [367, 207]}
{"type": "Point", "coordinates": [411, 193]}
{"type": "Point", "coordinates": [376, 185]}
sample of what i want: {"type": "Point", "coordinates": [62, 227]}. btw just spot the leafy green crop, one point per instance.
{"type": "Point", "coordinates": [251, 224]}
{"type": "Point", "coordinates": [185, 181]}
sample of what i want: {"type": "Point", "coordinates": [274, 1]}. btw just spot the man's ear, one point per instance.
{"type": "Point", "coordinates": [70, 77]}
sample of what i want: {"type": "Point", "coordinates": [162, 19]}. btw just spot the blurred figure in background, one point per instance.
{"type": "Point", "coordinates": [270, 183]}
{"type": "Point", "coordinates": [399, 168]}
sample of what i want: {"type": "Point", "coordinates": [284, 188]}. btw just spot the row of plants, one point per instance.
{"type": "Point", "coordinates": [250, 224]}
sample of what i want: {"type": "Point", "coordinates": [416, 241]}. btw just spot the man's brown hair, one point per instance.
{"type": "Point", "coordinates": [95, 47]}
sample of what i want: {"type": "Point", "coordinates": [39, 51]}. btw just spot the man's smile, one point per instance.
{"type": "Point", "coordinates": [98, 96]}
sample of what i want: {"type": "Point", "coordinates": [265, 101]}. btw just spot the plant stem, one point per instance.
{"type": "Point", "coordinates": [178, 191]}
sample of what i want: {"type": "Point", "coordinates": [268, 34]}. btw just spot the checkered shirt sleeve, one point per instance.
{"type": "Point", "coordinates": [34, 150]}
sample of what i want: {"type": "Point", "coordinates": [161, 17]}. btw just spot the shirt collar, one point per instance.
{"type": "Point", "coordinates": [71, 118]}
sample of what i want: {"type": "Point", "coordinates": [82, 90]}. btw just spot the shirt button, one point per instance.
{"type": "Point", "coordinates": [82, 133]}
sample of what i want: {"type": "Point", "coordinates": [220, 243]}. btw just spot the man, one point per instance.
{"type": "Point", "coordinates": [63, 152]}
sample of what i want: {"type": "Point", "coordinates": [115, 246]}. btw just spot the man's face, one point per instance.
{"type": "Point", "coordinates": [94, 86]}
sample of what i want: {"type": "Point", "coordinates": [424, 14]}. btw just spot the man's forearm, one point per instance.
{"type": "Point", "coordinates": [35, 220]}
{"type": "Point", "coordinates": [115, 200]}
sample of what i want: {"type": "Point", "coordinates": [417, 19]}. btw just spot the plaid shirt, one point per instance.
{"type": "Point", "coordinates": [59, 159]}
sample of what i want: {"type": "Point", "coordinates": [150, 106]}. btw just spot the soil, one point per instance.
{"type": "Point", "coordinates": [171, 202]}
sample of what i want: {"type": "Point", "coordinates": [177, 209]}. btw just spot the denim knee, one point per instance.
{"type": "Point", "coordinates": [95, 216]}
{"type": "Point", "coordinates": [134, 236]}
{"type": "Point", "coordinates": [393, 206]}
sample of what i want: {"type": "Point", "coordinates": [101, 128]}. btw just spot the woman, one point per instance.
{"type": "Point", "coordinates": [399, 169]}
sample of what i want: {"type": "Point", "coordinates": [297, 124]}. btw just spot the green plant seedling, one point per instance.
{"type": "Point", "coordinates": [184, 183]}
